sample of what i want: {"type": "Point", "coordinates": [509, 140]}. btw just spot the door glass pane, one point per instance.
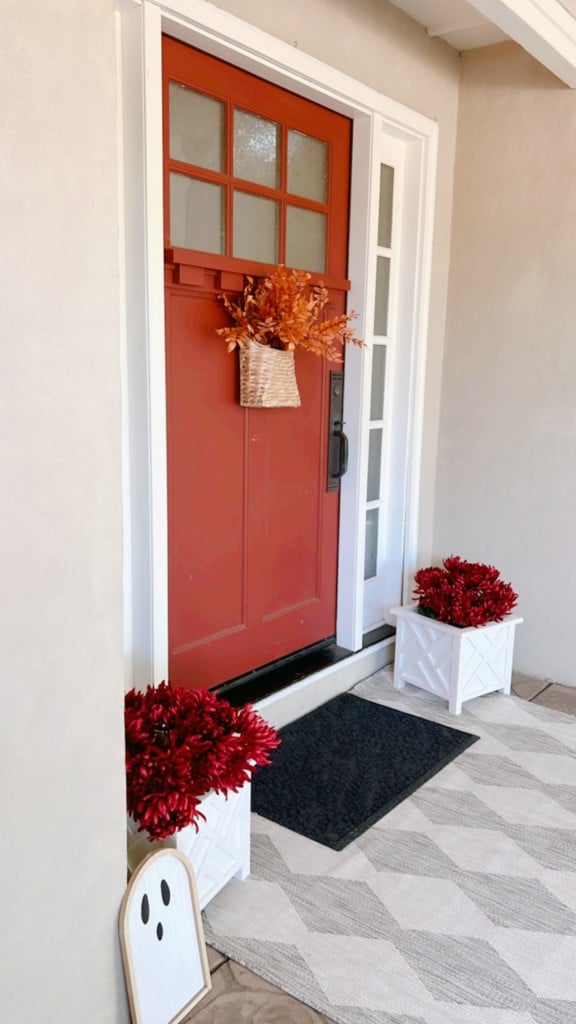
{"type": "Point", "coordinates": [305, 239]}
{"type": "Point", "coordinates": [378, 381]}
{"type": "Point", "coordinates": [385, 206]}
{"type": "Point", "coordinates": [382, 291]}
{"type": "Point", "coordinates": [196, 214]}
{"type": "Point", "coordinates": [371, 549]}
{"type": "Point", "coordinates": [256, 146]}
{"type": "Point", "coordinates": [255, 228]}
{"type": "Point", "coordinates": [374, 463]}
{"type": "Point", "coordinates": [307, 166]}
{"type": "Point", "coordinates": [197, 128]}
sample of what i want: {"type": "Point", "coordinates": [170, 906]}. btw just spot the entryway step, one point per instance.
{"type": "Point", "coordinates": [296, 700]}
{"type": "Point", "coordinates": [263, 682]}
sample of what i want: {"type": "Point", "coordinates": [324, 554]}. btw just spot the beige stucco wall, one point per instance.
{"type": "Point", "coordinates": [378, 44]}
{"type": "Point", "coordinates": [61, 750]}
{"type": "Point", "coordinates": [507, 458]}
{"type": "Point", "coordinates": [61, 771]}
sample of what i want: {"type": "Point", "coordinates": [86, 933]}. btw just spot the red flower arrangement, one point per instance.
{"type": "Point", "coordinates": [463, 593]}
{"type": "Point", "coordinates": [180, 744]}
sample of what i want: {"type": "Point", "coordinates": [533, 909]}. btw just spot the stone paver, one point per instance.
{"type": "Point", "coordinates": [215, 959]}
{"type": "Point", "coordinates": [558, 698]}
{"type": "Point", "coordinates": [240, 997]}
{"type": "Point", "coordinates": [527, 687]}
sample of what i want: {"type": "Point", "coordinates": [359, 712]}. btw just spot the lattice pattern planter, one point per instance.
{"type": "Point", "coordinates": [453, 663]}
{"type": "Point", "coordinates": [219, 851]}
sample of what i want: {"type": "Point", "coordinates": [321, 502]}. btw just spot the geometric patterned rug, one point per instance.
{"type": "Point", "coordinates": [457, 907]}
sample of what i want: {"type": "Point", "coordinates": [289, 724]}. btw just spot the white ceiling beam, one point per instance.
{"type": "Point", "coordinates": [543, 27]}
{"type": "Point", "coordinates": [461, 26]}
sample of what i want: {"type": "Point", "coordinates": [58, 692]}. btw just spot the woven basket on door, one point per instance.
{"type": "Point", "coordinates": [267, 377]}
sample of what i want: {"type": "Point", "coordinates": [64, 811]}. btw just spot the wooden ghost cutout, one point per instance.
{"type": "Point", "coordinates": [162, 940]}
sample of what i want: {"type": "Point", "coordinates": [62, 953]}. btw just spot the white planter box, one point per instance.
{"type": "Point", "coordinates": [219, 851]}
{"type": "Point", "coordinates": [453, 663]}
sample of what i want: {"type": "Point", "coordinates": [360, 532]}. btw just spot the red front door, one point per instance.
{"type": "Point", "coordinates": [254, 176]}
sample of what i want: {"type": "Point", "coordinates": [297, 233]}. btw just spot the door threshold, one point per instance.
{"type": "Point", "coordinates": [303, 696]}
{"type": "Point", "coordinates": [296, 668]}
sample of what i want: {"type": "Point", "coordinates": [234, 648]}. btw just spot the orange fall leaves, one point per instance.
{"type": "Point", "coordinates": [282, 311]}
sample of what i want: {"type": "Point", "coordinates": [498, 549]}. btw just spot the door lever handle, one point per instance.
{"type": "Point", "coordinates": [342, 454]}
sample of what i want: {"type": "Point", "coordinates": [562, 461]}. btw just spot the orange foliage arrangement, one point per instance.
{"type": "Point", "coordinates": [283, 312]}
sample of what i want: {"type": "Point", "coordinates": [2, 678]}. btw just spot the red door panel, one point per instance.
{"type": "Point", "coordinates": [252, 531]}
{"type": "Point", "coordinates": [206, 467]}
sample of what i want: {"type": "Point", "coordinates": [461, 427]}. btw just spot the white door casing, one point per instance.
{"type": "Point", "coordinates": [384, 132]}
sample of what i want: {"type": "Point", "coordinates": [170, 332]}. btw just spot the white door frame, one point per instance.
{"type": "Point", "coordinates": [140, 26]}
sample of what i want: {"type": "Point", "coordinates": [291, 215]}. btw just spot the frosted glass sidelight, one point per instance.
{"type": "Point", "coordinates": [371, 548]}
{"type": "Point", "coordinates": [374, 464]}
{"type": "Point", "coordinates": [256, 145]}
{"type": "Point", "coordinates": [378, 382]}
{"type": "Point", "coordinates": [197, 128]}
{"type": "Point", "coordinates": [196, 214]}
{"type": "Point", "coordinates": [305, 239]}
{"type": "Point", "coordinates": [382, 294]}
{"type": "Point", "coordinates": [385, 206]}
{"type": "Point", "coordinates": [255, 228]}
{"type": "Point", "coordinates": [307, 166]}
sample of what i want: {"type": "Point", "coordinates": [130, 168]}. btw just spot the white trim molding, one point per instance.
{"type": "Point", "coordinates": [545, 28]}
{"type": "Point", "coordinates": [205, 26]}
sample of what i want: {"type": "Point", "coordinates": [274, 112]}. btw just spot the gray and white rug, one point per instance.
{"type": "Point", "coordinates": [458, 907]}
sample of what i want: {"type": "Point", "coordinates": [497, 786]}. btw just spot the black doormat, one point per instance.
{"type": "Point", "coordinates": [342, 767]}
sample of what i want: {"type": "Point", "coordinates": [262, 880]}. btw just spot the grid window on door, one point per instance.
{"type": "Point", "coordinates": [256, 149]}
{"type": "Point", "coordinates": [245, 185]}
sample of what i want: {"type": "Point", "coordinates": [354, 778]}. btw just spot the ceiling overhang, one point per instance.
{"type": "Point", "coordinates": [545, 28]}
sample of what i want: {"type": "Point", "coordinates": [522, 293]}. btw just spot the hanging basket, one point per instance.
{"type": "Point", "coordinates": [267, 377]}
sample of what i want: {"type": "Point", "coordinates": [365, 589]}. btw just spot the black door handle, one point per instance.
{"type": "Point", "coordinates": [337, 461]}
{"type": "Point", "coordinates": [342, 454]}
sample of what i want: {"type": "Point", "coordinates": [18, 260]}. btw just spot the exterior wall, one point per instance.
{"type": "Point", "coordinates": [61, 747]}
{"type": "Point", "coordinates": [378, 44]}
{"type": "Point", "coordinates": [507, 458]}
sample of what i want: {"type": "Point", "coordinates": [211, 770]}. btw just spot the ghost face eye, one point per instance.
{"type": "Point", "coordinates": [145, 909]}
{"type": "Point", "coordinates": [165, 890]}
